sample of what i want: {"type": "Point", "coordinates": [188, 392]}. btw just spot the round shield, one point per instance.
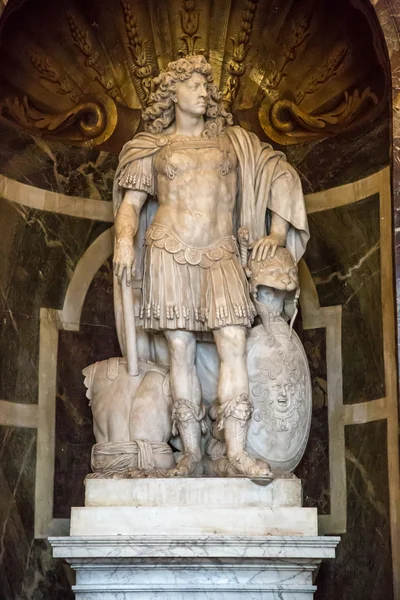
{"type": "Point", "coordinates": [280, 391]}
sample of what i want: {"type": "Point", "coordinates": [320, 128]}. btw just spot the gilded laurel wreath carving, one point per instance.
{"type": "Point", "coordinates": [49, 71]}
{"type": "Point", "coordinates": [301, 70]}
{"type": "Point", "coordinates": [82, 41]}
{"type": "Point", "coordinates": [236, 67]}
{"type": "Point", "coordinates": [137, 46]}
{"type": "Point", "coordinates": [190, 27]}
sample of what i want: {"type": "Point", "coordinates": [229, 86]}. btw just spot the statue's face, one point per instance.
{"type": "Point", "coordinates": [192, 95]}
{"type": "Point", "coordinates": [281, 394]}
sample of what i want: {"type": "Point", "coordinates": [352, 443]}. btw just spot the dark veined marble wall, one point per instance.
{"type": "Point", "coordinates": [344, 258]}
{"type": "Point", "coordinates": [362, 568]}
{"type": "Point", "coordinates": [40, 251]}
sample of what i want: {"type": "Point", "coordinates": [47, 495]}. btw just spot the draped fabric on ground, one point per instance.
{"type": "Point", "coordinates": [117, 457]}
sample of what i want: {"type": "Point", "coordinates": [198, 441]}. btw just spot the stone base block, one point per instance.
{"type": "Point", "coordinates": [194, 568]}
{"type": "Point", "coordinates": [197, 491]}
{"type": "Point", "coordinates": [193, 506]}
{"type": "Point", "coordinates": [191, 520]}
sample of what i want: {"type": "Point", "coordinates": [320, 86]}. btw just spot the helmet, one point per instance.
{"type": "Point", "coordinates": [278, 272]}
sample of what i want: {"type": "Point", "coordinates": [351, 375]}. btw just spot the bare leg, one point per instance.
{"type": "Point", "coordinates": [233, 378]}
{"type": "Point", "coordinates": [233, 394]}
{"type": "Point", "coordinates": [187, 410]}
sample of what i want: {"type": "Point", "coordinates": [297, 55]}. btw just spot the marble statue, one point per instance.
{"type": "Point", "coordinates": [210, 224]}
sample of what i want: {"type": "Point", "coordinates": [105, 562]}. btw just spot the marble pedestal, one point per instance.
{"type": "Point", "coordinates": [193, 539]}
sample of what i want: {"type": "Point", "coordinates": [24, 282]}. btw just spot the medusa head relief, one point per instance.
{"type": "Point", "coordinates": [280, 390]}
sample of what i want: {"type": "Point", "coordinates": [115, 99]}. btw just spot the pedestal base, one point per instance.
{"type": "Point", "coordinates": [191, 568]}
{"type": "Point", "coordinates": [194, 538]}
{"type": "Point", "coordinates": [193, 506]}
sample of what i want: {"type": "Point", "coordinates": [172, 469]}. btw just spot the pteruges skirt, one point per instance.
{"type": "Point", "coordinates": [190, 288]}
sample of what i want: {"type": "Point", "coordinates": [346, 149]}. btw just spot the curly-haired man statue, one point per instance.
{"type": "Point", "coordinates": [209, 178]}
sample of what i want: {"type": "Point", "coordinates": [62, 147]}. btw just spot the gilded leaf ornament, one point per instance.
{"type": "Point", "coordinates": [143, 71]}
{"type": "Point", "coordinates": [240, 44]}
{"type": "Point", "coordinates": [49, 71]}
{"type": "Point", "coordinates": [190, 28]}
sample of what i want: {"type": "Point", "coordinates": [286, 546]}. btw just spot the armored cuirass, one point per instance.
{"type": "Point", "coordinates": [181, 156]}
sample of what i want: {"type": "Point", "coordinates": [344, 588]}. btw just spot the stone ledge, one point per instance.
{"type": "Point", "coordinates": [180, 546]}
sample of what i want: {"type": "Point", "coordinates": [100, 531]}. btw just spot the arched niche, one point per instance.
{"type": "Point", "coordinates": [313, 78]}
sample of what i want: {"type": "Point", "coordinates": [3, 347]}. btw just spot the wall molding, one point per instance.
{"type": "Point", "coordinates": [100, 210]}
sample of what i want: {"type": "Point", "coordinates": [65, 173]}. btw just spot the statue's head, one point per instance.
{"type": "Point", "coordinates": [187, 83]}
{"type": "Point", "coordinates": [279, 272]}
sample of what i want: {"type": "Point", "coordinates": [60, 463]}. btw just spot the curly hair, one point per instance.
{"type": "Point", "coordinates": [161, 110]}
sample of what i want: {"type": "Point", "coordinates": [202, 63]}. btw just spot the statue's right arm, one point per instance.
{"type": "Point", "coordinates": [126, 226]}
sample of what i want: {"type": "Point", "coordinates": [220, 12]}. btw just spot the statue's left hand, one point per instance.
{"type": "Point", "coordinates": [267, 246]}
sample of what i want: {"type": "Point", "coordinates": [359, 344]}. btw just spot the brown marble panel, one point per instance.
{"type": "Point", "coordinates": [345, 158]}
{"type": "Point", "coordinates": [85, 172]}
{"type": "Point", "coordinates": [39, 253]}
{"type": "Point", "coordinates": [348, 157]}
{"type": "Point", "coordinates": [313, 469]}
{"type": "Point", "coordinates": [344, 259]}
{"type": "Point", "coordinates": [27, 570]}
{"type": "Point", "coordinates": [362, 569]}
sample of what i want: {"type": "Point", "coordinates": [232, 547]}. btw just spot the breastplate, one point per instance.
{"type": "Point", "coordinates": [182, 154]}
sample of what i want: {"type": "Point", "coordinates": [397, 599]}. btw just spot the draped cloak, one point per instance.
{"type": "Point", "coordinates": [266, 183]}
